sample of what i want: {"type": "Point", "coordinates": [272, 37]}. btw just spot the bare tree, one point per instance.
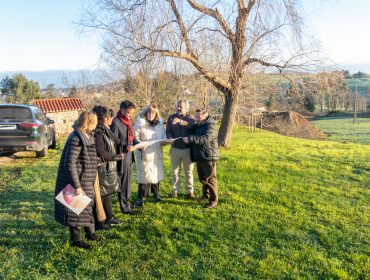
{"type": "Point", "coordinates": [221, 39]}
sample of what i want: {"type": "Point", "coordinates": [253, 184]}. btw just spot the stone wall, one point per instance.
{"type": "Point", "coordinates": [63, 121]}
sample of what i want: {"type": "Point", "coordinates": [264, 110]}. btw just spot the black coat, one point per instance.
{"type": "Point", "coordinates": [203, 140]}
{"type": "Point", "coordinates": [105, 143]}
{"type": "Point", "coordinates": [178, 130]}
{"type": "Point", "coordinates": [78, 167]}
{"type": "Point", "coordinates": [120, 132]}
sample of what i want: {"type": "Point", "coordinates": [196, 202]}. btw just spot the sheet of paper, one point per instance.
{"type": "Point", "coordinates": [148, 143]}
{"type": "Point", "coordinates": [170, 140]}
{"type": "Point", "coordinates": [76, 203]}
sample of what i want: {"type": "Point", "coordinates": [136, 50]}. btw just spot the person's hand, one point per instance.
{"type": "Point", "coordinates": [99, 161]}
{"type": "Point", "coordinates": [165, 143]}
{"type": "Point", "coordinates": [119, 157]}
{"type": "Point", "coordinates": [131, 148]}
{"type": "Point", "coordinates": [186, 140]}
{"type": "Point", "coordinates": [184, 123]}
{"type": "Point", "coordinates": [176, 120]}
{"type": "Point", "coordinates": [79, 191]}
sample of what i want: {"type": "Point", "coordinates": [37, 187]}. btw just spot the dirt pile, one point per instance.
{"type": "Point", "coordinates": [290, 124]}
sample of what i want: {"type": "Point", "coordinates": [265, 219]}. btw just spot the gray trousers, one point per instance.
{"type": "Point", "coordinates": [179, 156]}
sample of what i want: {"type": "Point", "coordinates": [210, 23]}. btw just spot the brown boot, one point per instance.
{"type": "Point", "coordinates": [190, 195]}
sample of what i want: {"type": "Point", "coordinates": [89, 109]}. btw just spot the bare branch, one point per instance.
{"type": "Point", "coordinates": [216, 15]}
{"type": "Point", "coordinates": [184, 32]}
{"type": "Point", "coordinates": [212, 30]}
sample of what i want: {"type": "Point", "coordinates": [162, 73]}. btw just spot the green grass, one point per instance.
{"type": "Point", "coordinates": [289, 208]}
{"type": "Point", "coordinates": [340, 127]}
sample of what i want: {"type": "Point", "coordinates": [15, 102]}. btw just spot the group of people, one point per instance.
{"type": "Point", "coordinates": [99, 156]}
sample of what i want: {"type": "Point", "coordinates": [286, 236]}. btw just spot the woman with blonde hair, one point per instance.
{"type": "Point", "coordinates": [149, 161]}
{"type": "Point", "coordinates": [78, 167]}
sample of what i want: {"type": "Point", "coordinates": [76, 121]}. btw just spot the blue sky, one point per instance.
{"type": "Point", "coordinates": [39, 34]}
{"type": "Point", "coordinates": [343, 27]}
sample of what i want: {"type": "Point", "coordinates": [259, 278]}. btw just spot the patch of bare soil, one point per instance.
{"type": "Point", "coordinates": [7, 158]}
{"type": "Point", "coordinates": [291, 124]}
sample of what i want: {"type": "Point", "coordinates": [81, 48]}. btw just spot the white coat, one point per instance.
{"type": "Point", "coordinates": [149, 162]}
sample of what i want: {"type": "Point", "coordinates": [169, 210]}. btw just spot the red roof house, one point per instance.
{"type": "Point", "coordinates": [59, 105]}
{"type": "Point", "coordinates": [64, 112]}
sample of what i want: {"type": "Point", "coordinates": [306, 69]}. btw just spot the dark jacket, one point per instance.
{"type": "Point", "coordinates": [178, 130]}
{"type": "Point", "coordinates": [203, 140]}
{"type": "Point", "coordinates": [105, 143]}
{"type": "Point", "coordinates": [77, 167]}
{"type": "Point", "coordinates": [120, 132]}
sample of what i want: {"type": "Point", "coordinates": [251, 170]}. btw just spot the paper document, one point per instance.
{"type": "Point", "coordinates": [76, 203]}
{"type": "Point", "coordinates": [148, 143]}
{"type": "Point", "coordinates": [170, 140]}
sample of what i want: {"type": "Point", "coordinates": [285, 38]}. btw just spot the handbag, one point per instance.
{"type": "Point", "coordinates": [109, 181]}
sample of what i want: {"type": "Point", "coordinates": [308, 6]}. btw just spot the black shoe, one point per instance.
{"type": "Point", "coordinates": [92, 237]}
{"type": "Point", "coordinates": [139, 202]}
{"type": "Point", "coordinates": [211, 204]}
{"type": "Point", "coordinates": [131, 212]}
{"type": "Point", "coordinates": [81, 244]}
{"type": "Point", "coordinates": [112, 222]}
{"type": "Point", "coordinates": [101, 226]}
{"type": "Point", "coordinates": [157, 198]}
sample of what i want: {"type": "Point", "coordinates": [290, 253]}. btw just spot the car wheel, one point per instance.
{"type": "Point", "coordinates": [53, 143]}
{"type": "Point", "coordinates": [43, 152]}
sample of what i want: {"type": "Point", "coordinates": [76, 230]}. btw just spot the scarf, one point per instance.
{"type": "Point", "coordinates": [130, 130]}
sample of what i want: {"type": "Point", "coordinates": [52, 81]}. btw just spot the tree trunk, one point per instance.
{"type": "Point", "coordinates": [228, 117]}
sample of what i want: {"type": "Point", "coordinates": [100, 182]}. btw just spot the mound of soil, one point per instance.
{"type": "Point", "coordinates": [290, 124]}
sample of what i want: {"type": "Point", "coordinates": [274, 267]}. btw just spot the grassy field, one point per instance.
{"type": "Point", "coordinates": [289, 209]}
{"type": "Point", "coordinates": [340, 127]}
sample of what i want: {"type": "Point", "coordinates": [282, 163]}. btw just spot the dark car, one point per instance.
{"type": "Point", "coordinates": [25, 128]}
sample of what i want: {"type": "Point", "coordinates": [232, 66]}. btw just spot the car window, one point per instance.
{"type": "Point", "coordinates": [15, 113]}
{"type": "Point", "coordinates": [39, 115]}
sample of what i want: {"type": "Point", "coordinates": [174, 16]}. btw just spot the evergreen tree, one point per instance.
{"type": "Point", "coordinates": [19, 90]}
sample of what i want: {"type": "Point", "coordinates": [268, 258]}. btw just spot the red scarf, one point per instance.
{"type": "Point", "coordinates": [130, 130]}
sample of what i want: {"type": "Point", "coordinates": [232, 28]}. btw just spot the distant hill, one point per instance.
{"type": "Point", "coordinates": [53, 76]}
{"type": "Point", "coordinates": [355, 67]}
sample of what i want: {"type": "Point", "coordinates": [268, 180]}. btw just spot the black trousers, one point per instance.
{"type": "Point", "coordinates": [124, 195]}
{"type": "Point", "coordinates": [76, 232]}
{"type": "Point", "coordinates": [143, 190]}
{"type": "Point", "coordinates": [107, 205]}
{"type": "Point", "coordinates": [207, 176]}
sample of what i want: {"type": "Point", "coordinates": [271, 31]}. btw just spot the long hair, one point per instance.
{"type": "Point", "coordinates": [85, 120]}
{"type": "Point", "coordinates": [152, 108]}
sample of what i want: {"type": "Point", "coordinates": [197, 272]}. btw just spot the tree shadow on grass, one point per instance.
{"type": "Point", "coordinates": [28, 232]}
